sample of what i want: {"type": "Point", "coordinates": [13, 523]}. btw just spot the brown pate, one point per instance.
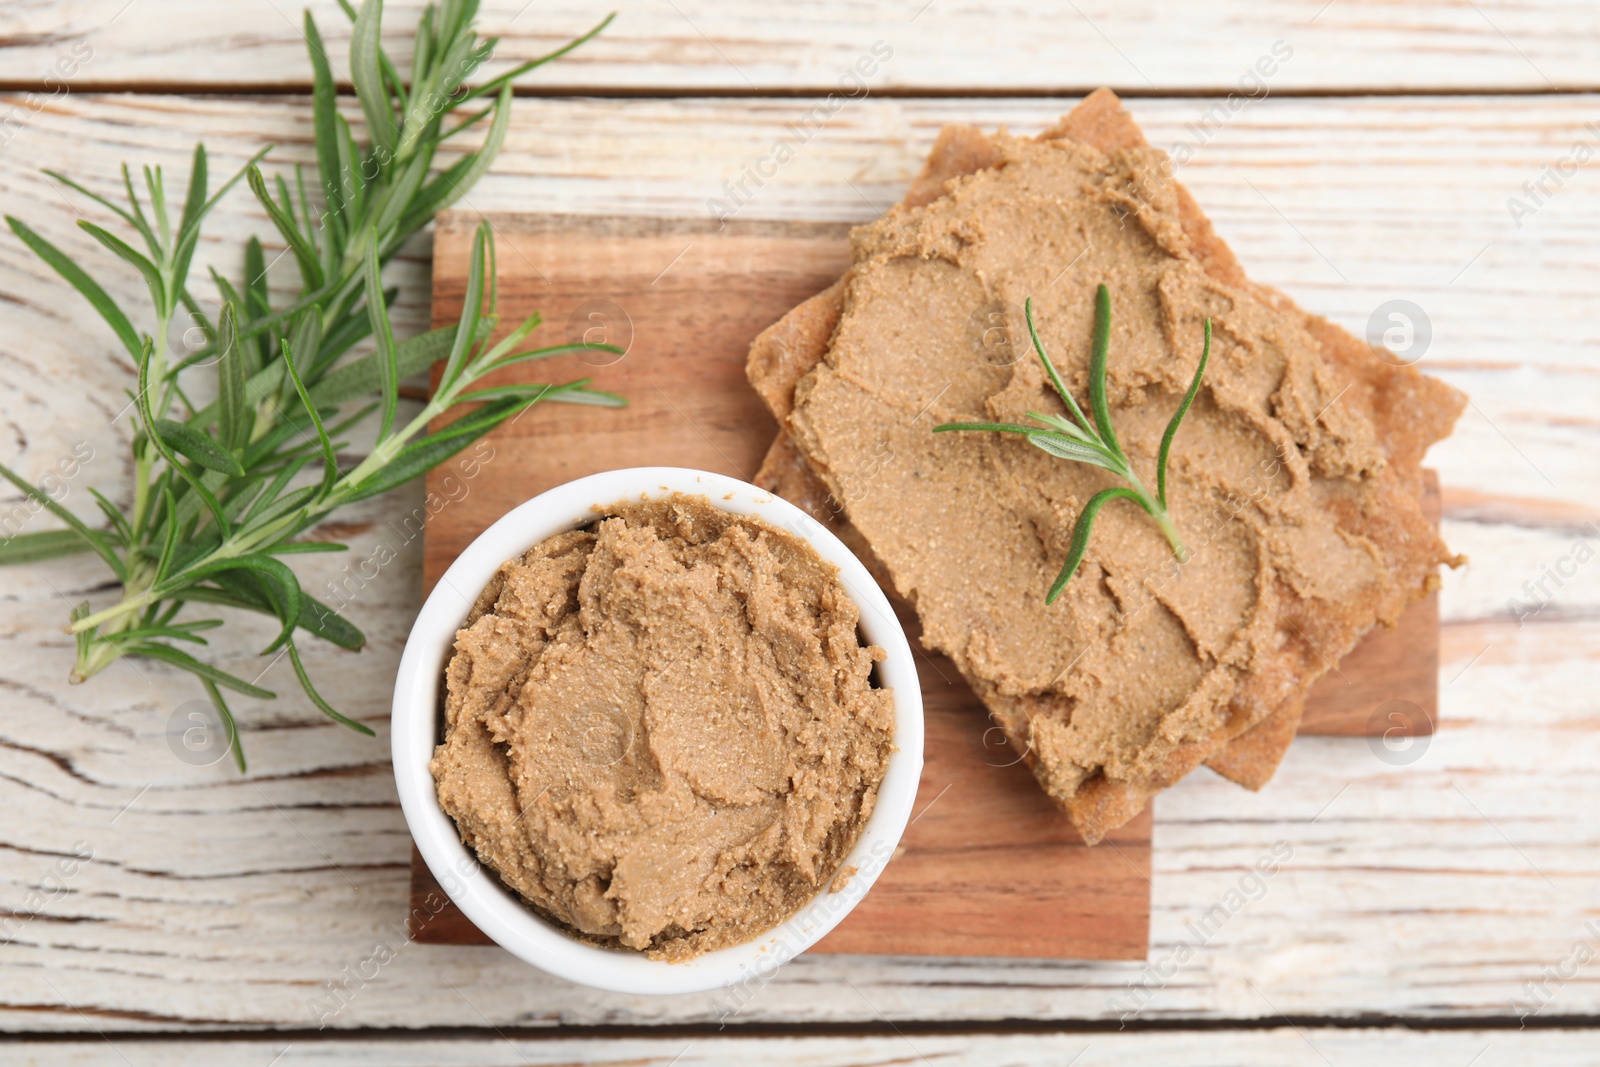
{"type": "Point", "coordinates": [661, 730]}
{"type": "Point", "coordinates": [1296, 477]}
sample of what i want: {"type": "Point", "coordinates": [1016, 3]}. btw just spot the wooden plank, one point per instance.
{"type": "Point", "coordinates": [995, 872]}
{"type": "Point", "coordinates": [1414, 891]}
{"type": "Point", "coordinates": [938, 46]}
{"type": "Point", "coordinates": [688, 296]}
{"type": "Point", "coordinates": [1372, 1047]}
{"type": "Point", "coordinates": [990, 867]}
{"type": "Point", "coordinates": [682, 298]}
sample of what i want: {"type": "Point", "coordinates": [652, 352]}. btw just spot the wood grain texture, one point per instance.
{"type": "Point", "coordinates": [994, 872]}
{"type": "Point", "coordinates": [685, 297]}
{"type": "Point", "coordinates": [989, 869]}
{"type": "Point", "coordinates": [1286, 1045]}
{"type": "Point", "coordinates": [946, 46]}
{"type": "Point", "coordinates": [1434, 889]}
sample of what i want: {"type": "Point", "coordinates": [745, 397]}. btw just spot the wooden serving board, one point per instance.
{"type": "Point", "coordinates": [987, 867]}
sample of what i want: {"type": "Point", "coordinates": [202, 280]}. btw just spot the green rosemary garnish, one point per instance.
{"type": "Point", "coordinates": [222, 490]}
{"type": "Point", "coordinates": [1095, 442]}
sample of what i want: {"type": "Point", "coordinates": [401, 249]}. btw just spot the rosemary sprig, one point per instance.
{"type": "Point", "coordinates": [222, 491]}
{"type": "Point", "coordinates": [1095, 442]}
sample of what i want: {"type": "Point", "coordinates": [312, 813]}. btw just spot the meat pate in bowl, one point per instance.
{"type": "Point", "coordinates": [656, 731]}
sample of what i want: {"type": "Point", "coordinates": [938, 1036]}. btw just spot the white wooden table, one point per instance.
{"type": "Point", "coordinates": [1429, 908]}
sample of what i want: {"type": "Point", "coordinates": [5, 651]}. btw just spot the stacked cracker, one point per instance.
{"type": "Point", "coordinates": [1243, 732]}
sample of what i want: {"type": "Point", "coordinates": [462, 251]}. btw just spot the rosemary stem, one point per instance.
{"type": "Point", "coordinates": [142, 463]}
{"type": "Point", "coordinates": [1164, 521]}
{"type": "Point", "coordinates": [101, 651]}
{"type": "Point", "coordinates": [101, 654]}
{"type": "Point", "coordinates": [128, 603]}
{"type": "Point", "coordinates": [1159, 513]}
{"type": "Point", "coordinates": [384, 451]}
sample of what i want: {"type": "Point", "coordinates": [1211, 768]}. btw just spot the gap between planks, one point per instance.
{"type": "Point", "coordinates": [665, 92]}
{"type": "Point", "coordinates": [567, 1032]}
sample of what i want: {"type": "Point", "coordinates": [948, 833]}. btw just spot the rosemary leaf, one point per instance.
{"type": "Point", "coordinates": [42, 545]}
{"type": "Point", "coordinates": [1080, 536]}
{"type": "Point", "coordinates": [187, 441]}
{"type": "Point", "coordinates": [80, 280]}
{"type": "Point", "coordinates": [1177, 417]}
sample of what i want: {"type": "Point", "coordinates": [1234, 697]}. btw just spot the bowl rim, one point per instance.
{"type": "Point", "coordinates": [497, 911]}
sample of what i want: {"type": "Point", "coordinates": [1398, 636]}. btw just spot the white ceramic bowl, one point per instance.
{"type": "Point", "coordinates": [480, 895]}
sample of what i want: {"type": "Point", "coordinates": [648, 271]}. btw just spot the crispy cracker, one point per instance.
{"type": "Point", "coordinates": [1408, 411]}
{"type": "Point", "coordinates": [790, 348]}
